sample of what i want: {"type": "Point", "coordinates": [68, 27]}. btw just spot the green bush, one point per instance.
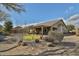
{"type": "Point", "coordinates": [31, 37]}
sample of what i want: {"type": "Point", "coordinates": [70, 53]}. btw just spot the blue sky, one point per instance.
{"type": "Point", "coordinates": [43, 12]}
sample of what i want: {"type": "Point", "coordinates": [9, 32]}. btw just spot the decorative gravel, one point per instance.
{"type": "Point", "coordinates": [41, 49]}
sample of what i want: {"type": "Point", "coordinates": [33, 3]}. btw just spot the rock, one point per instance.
{"type": "Point", "coordinates": [24, 44]}
{"type": "Point", "coordinates": [51, 45]}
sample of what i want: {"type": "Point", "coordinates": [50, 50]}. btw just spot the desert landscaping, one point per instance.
{"type": "Point", "coordinates": [69, 46]}
{"type": "Point", "coordinates": [39, 30]}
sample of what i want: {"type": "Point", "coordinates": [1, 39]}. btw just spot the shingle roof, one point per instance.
{"type": "Point", "coordinates": [48, 23]}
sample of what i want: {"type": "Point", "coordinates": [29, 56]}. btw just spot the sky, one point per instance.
{"type": "Point", "coordinates": [39, 12]}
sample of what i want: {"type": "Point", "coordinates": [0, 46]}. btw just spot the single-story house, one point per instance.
{"type": "Point", "coordinates": [45, 27]}
{"type": "Point", "coordinates": [17, 29]}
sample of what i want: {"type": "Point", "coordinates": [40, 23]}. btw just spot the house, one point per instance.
{"type": "Point", "coordinates": [45, 27]}
{"type": "Point", "coordinates": [17, 29]}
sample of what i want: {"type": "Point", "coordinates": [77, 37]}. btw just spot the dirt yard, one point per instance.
{"type": "Point", "coordinates": [69, 46]}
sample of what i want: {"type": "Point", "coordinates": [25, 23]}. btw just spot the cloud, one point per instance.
{"type": "Point", "coordinates": [74, 19]}
{"type": "Point", "coordinates": [70, 9]}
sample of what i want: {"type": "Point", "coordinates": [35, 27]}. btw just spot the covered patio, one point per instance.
{"type": "Point", "coordinates": [43, 30]}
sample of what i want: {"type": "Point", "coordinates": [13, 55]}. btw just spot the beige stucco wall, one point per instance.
{"type": "Point", "coordinates": [60, 27]}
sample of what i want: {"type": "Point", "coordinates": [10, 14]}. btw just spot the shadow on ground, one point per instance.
{"type": "Point", "coordinates": [67, 44]}
{"type": "Point", "coordinates": [60, 51]}
{"type": "Point", "coordinates": [69, 34]}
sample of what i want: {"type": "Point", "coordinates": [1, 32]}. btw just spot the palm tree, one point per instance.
{"type": "Point", "coordinates": [10, 7]}
{"type": "Point", "coordinates": [3, 16]}
{"type": "Point", "coordinates": [13, 6]}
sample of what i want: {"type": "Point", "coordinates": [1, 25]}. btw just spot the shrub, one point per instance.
{"type": "Point", "coordinates": [70, 27]}
{"type": "Point", "coordinates": [55, 37]}
{"type": "Point", "coordinates": [37, 41]}
{"type": "Point", "coordinates": [31, 37]}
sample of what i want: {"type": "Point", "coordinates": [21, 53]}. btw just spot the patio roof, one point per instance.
{"type": "Point", "coordinates": [48, 23]}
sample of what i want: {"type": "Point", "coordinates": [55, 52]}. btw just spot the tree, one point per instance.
{"type": "Point", "coordinates": [3, 16]}
{"type": "Point", "coordinates": [13, 6]}
{"type": "Point", "coordinates": [8, 26]}
{"type": "Point", "coordinates": [70, 27]}
{"type": "Point", "coordinates": [9, 6]}
{"type": "Point", "coordinates": [1, 28]}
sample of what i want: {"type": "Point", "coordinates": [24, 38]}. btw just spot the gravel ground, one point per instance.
{"type": "Point", "coordinates": [4, 47]}
{"type": "Point", "coordinates": [67, 47]}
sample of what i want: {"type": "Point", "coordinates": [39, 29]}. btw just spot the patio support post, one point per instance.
{"type": "Point", "coordinates": [51, 28]}
{"type": "Point", "coordinates": [42, 31]}
{"type": "Point", "coordinates": [77, 31]}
